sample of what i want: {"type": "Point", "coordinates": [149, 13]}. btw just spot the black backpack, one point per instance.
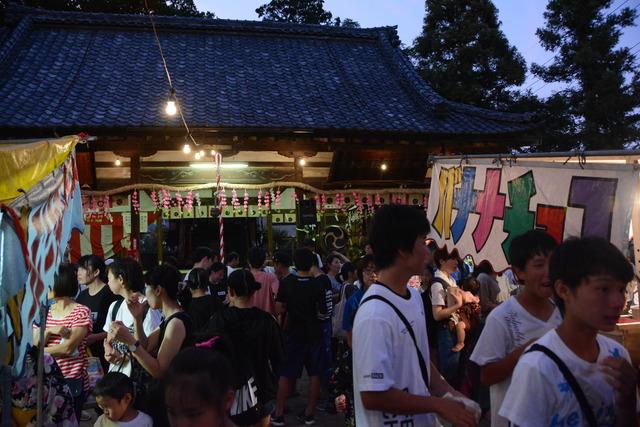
{"type": "Point", "coordinates": [432, 323]}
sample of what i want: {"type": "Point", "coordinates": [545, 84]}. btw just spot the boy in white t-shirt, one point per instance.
{"type": "Point", "coordinates": [391, 386]}
{"type": "Point", "coordinates": [589, 277]}
{"type": "Point", "coordinates": [515, 323]}
{"type": "Point", "coordinates": [114, 395]}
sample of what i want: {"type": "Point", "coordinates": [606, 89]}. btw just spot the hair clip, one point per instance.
{"type": "Point", "coordinates": [209, 343]}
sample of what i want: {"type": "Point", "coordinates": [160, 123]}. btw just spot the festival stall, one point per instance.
{"type": "Point", "coordinates": [478, 204]}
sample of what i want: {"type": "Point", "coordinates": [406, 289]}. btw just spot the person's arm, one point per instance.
{"type": "Point", "coordinates": [396, 401]}
{"type": "Point", "coordinates": [442, 313]}
{"type": "Point", "coordinates": [500, 370]}
{"type": "Point", "coordinates": [94, 338]}
{"type": "Point", "coordinates": [174, 336]}
{"type": "Point", "coordinates": [438, 385]}
{"type": "Point", "coordinates": [70, 345]}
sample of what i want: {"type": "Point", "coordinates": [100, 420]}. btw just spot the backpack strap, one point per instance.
{"type": "Point", "coordinates": [421, 361]}
{"type": "Point", "coordinates": [116, 307]}
{"type": "Point", "coordinates": [573, 383]}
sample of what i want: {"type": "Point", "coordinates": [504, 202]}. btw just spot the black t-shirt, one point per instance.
{"type": "Point", "coordinates": [257, 345]}
{"type": "Point", "coordinates": [303, 296]}
{"type": "Point", "coordinates": [325, 311]}
{"type": "Point", "coordinates": [99, 306]}
{"type": "Point", "coordinates": [219, 290]}
{"type": "Point", "coordinates": [202, 308]}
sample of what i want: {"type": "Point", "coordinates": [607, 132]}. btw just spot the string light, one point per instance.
{"type": "Point", "coordinates": [118, 162]}
{"type": "Point", "coordinates": [198, 156]}
{"type": "Point", "coordinates": [383, 166]}
{"type": "Point", "coordinates": [186, 149]}
{"type": "Point", "coordinates": [171, 109]}
{"type": "Point", "coordinates": [213, 152]}
{"type": "Point", "coordinates": [201, 153]}
{"type": "Point", "coordinates": [302, 162]}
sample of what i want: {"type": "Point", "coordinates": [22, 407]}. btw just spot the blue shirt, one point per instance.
{"type": "Point", "coordinates": [350, 309]}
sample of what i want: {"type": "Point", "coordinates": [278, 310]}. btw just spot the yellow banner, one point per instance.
{"type": "Point", "coordinates": [23, 165]}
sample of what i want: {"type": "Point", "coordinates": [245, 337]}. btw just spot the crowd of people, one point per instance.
{"type": "Point", "coordinates": [405, 335]}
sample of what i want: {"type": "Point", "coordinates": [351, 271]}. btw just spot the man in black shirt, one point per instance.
{"type": "Point", "coordinates": [218, 281]}
{"type": "Point", "coordinates": [301, 298]}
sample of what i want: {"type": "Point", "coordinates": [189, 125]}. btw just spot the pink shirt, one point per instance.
{"type": "Point", "coordinates": [265, 297]}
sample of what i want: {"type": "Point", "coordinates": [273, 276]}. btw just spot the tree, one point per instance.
{"type": "Point", "coordinates": [463, 54]}
{"type": "Point", "coordinates": [159, 7]}
{"type": "Point", "coordinates": [297, 11]}
{"type": "Point", "coordinates": [302, 12]}
{"type": "Point", "coordinates": [603, 96]}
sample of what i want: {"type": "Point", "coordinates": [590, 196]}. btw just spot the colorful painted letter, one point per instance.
{"type": "Point", "coordinates": [597, 197]}
{"type": "Point", "coordinates": [448, 179]}
{"type": "Point", "coordinates": [518, 218]}
{"type": "Point", "coordinates": [490, 206]}
{"type": "Point", "coordinates": [464, 200]}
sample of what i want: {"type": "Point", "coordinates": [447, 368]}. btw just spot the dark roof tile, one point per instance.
{"type": "Point", "coordinates": [63, 69]}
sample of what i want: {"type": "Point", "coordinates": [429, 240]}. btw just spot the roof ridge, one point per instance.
{"type": "Point", "coordinates": [14, 37]}
{"type": "Point", "coordinates": [192, 23]}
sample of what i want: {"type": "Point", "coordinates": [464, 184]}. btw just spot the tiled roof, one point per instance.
{"type": "Point", "coordinates": [88, 71]}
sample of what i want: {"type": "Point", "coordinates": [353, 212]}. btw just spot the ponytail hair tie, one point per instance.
{"type": "Point", "coordinates": [209, 343]}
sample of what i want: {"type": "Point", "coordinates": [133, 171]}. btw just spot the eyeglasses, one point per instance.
{"type": "Point", "coordinates": [369, 271]}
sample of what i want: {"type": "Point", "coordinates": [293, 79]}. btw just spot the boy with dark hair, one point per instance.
{"type": "Point", "coordinates": [394, 382]}
{"type": "Point", "coordinates": [114, 395]}
{"type": "Point", "coordinates": [520, 320]}
{"type": "Point", "coordinates": [297, 303]}
{"type": "Point", "coordinates": [573, 375]}
{"type": "Point", "coordinates": [233, 262]}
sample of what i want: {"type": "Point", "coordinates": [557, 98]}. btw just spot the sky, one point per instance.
{"type": "Point", "coordinates": [520, 19]}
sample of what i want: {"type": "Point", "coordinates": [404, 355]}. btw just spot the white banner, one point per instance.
{"type": "Point", "coordinates": [478, 207]}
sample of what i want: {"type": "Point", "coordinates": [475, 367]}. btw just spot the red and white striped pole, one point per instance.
{"type": "Point", "coordinates": [218, 162]}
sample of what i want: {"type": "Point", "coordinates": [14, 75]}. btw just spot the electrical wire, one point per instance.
{"type": "Point", "coordinates": [172, 90]}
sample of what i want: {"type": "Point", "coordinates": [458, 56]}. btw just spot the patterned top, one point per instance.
{"type": "Point", "coordinates": [74, 366]}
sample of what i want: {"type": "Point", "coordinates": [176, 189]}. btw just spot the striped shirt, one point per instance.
{"type": "Point", "coordinates": [74, 366]}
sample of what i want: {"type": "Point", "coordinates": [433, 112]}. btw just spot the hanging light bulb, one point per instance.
{"type": "Point", "coordinates": [198, 155]}
{"type": "Point", "coordinates": [383, 166]}
{"type": "Point", "coordinates": [213, 152]}
{"type": "Point", "coordinates": [118, 162]}
{"type": "Point", "coordinates": [171, 109]}
{"type": "Point", "coordinates": [201, 153]}
{"type": "Point", "coordinates": [302, 162]}
{"type": "Point", "coordinates": [186, 149]}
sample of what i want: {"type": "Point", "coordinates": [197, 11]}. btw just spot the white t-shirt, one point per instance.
{"type": "Point", "coordinates": [151, 322]}
{"type": "Point", "coordinates": [508, 327]}
{"type": "Point", "coordinates": [540, 395]}
{"type": "Point", "coordinates": [384, 355]}
{"type": "Point", "coordinates": [438, 294]}
{"type": "Point", "coordinates": [141, 420]}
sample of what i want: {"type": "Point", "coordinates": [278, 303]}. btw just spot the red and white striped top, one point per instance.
{"type": "Point", "coordinates": [74, 366]}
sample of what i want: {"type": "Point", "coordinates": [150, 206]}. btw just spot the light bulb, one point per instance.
{"type": "Point", "coordinates": [302, 162]}
{"type": "Point", "coordinates": [213, 152]}
{"type": "Point", "coordinates": [186, 149]}
{"type": "Point", "coordinates": [201, 153]}
{"type": "Point", "coordinates": [198, 156]}
{"type": "Point", "coordinates": [171, 108]}
{"type": "Point", "coordinates": [383, 166]}
{"type": "Point", "coordinates": [118, 162]}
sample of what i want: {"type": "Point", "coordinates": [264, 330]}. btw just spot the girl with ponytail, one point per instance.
{"type": "Point", "coordinates": [256, 339]}
{"type": "Point", "coordinates": [202, 306]}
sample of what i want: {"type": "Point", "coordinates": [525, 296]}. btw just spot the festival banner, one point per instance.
{"type": "Point", "coordinates": [479, 206]}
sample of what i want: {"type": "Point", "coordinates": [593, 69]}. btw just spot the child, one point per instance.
{"type": "Point", "coordinates": [514, 324]}
{"type": "Point", "coordinates": [573, 375]}
{"type": "Point", "coordinates": [462, 317]}
{"type": "Point", "coordinates": [199, 387]}
{"type": "Point", "coordinates": [114, 395]}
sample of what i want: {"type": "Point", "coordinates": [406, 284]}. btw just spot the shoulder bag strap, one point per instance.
{"type": "Point", "coordinates": [421, 361]}
{"type": "Point", "coordinates": [116, 307]}
{"type": "Point", "coordinates": [577, 390]}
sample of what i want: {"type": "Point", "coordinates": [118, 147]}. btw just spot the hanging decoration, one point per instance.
{"type": "Point", "coordinates": [188, 203]}
{"type": "Point", "coordinates": [358, 203]}
{"type": "Point", "coordinates": [260, 200]}
{"type": "Point", "coordinates": [425, 203]}
{"type": "Point", "coordinates": [197, 199]}
{"type": "Point", "coordinates": [106, 206]}
{"type": "Point", "coordinates": [267, 200]}
{"type": "Point", "coordinates": [246, 202]}
{"type": "Point", "coordinates": [378, 200]}
{"type": "Point", "coordinates": [135, 202]}
{"type": "Point", "coordinates": [223, 199]}
{"type": "Point", "coordinates": [155, 200]}
{"type": "Point", "coordinates": [323, 202]}
{"type": "Point", "coordinates": [234, 199]}
{"type": "Point", "coordinates": [369, 203]}
{"type": "Point", "coordinates": [179, 201]}
{"type": "Point", "coordinates": [278, 201]}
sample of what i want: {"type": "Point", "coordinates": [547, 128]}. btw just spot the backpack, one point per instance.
{"type": "Point", "coordinates": [338, 314]}
{"type": "Point", "coordinates": [432, 323]}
